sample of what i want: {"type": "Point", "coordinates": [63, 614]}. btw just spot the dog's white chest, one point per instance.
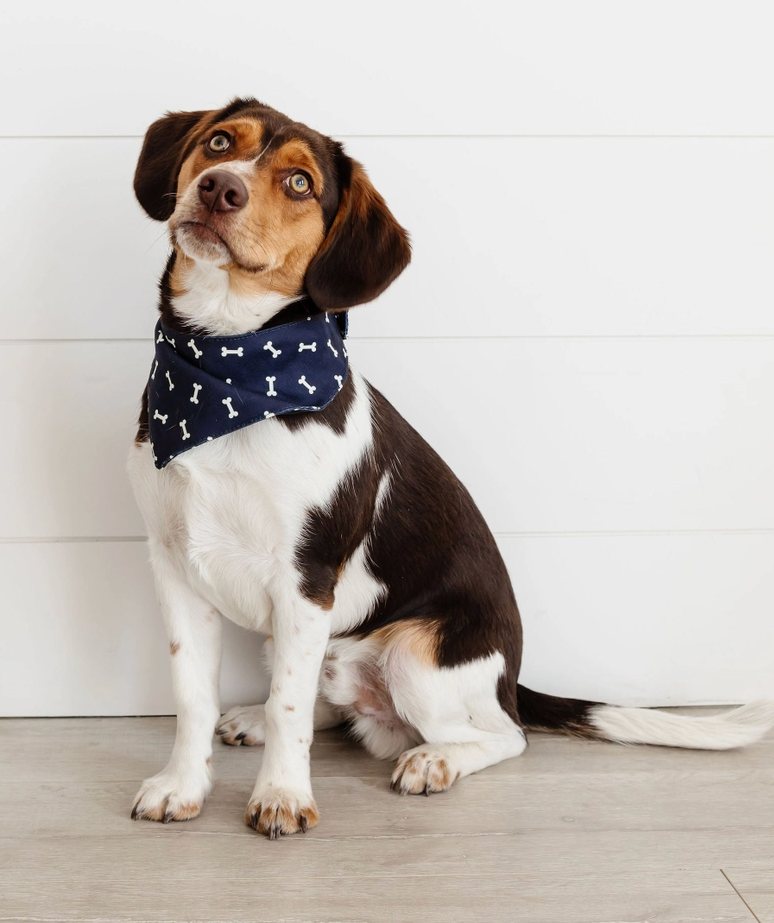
{"type": "Point", "coordinates": [227, 516]}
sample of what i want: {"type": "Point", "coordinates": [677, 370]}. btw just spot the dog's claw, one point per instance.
{"type": "Point", "coordinates": [135, 813]}
{"type": "Point", "coordinates": [167, 817]}
{"type": "Point", "coordinates": [303, 823]}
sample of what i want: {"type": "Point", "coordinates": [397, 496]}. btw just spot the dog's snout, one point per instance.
{"type": "Point", "coordinates": [222, 191]}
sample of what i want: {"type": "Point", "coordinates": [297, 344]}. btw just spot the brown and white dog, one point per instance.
{"type": "Point", "coordinates": [339, 534]}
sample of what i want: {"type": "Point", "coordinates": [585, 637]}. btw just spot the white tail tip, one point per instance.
{"type": "Point", "coordinates": [736, 728]}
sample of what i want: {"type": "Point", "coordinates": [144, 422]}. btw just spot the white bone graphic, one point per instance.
{"type": "Point", "coordinates": [271, 379]}
{"type": "Point", "coordinates": [239, 351]}
{"type": "Point", "coordinates": [169, 379]}
{"type": "Point", "coordinates": [171, 342]}
{"type": "Point", "coordinates": [311, 346]}
{"type": "Point", "coordinates": [344, 350]}
{"type": "Point", "coordinates": [231, 411]}
{"type": "Point", "coordinates": [274, 352]}
{"type": "Point", "coordinates": [195, 398]}
{"type": "Point", "coordinates": [155, 369]}
{"type": "Point", "coordinates": [160, 337]}
{"type": "Point", "coordinates": [310, 388]}
{"type": "Point", "coordinates": [268, 413]}
{"type": "Point", "coordinates": [197, 352]}
{"type": "Point", "coordinates": [327, 318]}
{"type": "Point", "coordinates": [333, 348]}
{"type": "Point", "coordinates": [340, 380]}
{"type": "Point", "coordinates": [186, 434]}
{"type": "Point", "coordinates": [160, 416]}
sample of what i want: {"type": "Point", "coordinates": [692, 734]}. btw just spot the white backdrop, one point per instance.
{"type": "Point", "coordinates": [590, 191]}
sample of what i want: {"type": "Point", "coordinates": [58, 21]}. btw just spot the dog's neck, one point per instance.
{"type": "Point", "coordinates": [203, 298]}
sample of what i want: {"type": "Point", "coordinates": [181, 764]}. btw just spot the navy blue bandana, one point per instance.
{"type": "Point", "coordinates": [206, 386]}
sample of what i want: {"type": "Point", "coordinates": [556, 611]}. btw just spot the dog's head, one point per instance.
{"type": "Point", "coordinates": [279, 207]}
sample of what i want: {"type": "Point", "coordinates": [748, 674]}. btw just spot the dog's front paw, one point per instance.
{"type": "Point", "coordinates": [277, 813]}
{"type": "Point", "coordinates": [245, 724]}
{"type": "Point", "coordinates": [166, 797]}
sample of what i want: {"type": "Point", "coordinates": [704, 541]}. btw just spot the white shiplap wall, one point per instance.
{"type": "Point", "coordinates": [590, 191]}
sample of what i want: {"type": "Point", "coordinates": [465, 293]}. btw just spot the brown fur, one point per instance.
{"type": "Point", "coordinates": [281, 816]}
{"type": "Point", "coordinates": [174, 647]}
{"type": "Point", "coordinates": [417, 636]}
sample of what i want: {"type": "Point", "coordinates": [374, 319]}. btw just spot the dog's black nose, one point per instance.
{"type": "Point", "coordinates": [222, 191]}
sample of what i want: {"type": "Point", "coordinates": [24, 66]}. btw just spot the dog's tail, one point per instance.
{"type": "Point", "coordinates": [735, 728]}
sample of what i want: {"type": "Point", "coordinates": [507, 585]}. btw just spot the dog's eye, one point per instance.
{"type": "Point", "coordinates": [219, 143]}
{"type": "Point", "coordinates": [299, 183]}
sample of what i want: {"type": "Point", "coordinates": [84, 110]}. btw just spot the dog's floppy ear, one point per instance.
{"type": "Point", "coordinates": [155, 178]}
{"type": "Point", "coordinates": [364, 250]}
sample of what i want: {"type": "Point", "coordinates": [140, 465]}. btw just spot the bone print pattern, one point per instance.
{"type": "Point", "coordinates": [206, 386]}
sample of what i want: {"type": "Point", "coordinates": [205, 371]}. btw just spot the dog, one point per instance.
{"type": "Point", "coordinates": [330, 526]}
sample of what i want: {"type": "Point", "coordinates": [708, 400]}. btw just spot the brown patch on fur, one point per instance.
{"type": "Point", "coordinates": [364, 251]}
{"type": "Point", "coordinates": [143, 428]}
{"type": "Point", "coordinates": [418, 636]}
{"type": "Point", "coordinates": [162, 814]}
{"type": "Point", "coordinates": [174, 647]}
{"type": "Point", "coordinates": [422, 774]}
{"type": "Point", "coordinates": [280, 816]}
{"type": "Point", "coordinates": [186, 812]}
{"type": "Point", "coordinates": [290, 708]}
{"type": "Point", "coordinates": [208, 761]}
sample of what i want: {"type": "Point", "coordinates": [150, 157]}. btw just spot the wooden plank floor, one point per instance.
{"type": "Point", "coordinates": [571, 832]}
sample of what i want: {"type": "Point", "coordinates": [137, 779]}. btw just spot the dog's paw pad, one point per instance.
{"type": "Point", "coordinates": [422, 771]}
{"type": "Point", "coordinates": [281, 814]}
{"type": "Point", "coordinates": [245, 724]}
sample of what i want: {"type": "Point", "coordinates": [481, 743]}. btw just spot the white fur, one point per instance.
{"type": "Point", "coordinates": [224, 520]}
{"type": "Point", "coordinates": [736, 728]}
{"type": "Point", "coordinates": [211, 303]}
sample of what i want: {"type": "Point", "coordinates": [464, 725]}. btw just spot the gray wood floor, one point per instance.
{"type": "Point", "coordinates": [571, 832]}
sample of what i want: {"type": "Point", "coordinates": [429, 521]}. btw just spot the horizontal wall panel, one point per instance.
{"type": "Point", "coordinates": [638, 620]}
{"type": "Point", "coordinates": [88, 639]}
{"type": "Point", "coordinates": [512, 237]}
{"type": "Point", "coordinates": [549, 435]}
{"type": "Point", "coordinates": [599, 67]}
{"type": "Point", "coordinates": [646, 619]}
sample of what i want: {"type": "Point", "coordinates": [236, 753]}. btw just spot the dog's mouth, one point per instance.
{"type": "Point", "coordinates": [201, 231]}
{"type": "Point", "coordinates": [201, 241]}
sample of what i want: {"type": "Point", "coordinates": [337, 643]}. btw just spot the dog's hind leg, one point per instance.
{"type": "Point", "coordinates": [246, 724]}
{"type": "Point", "coordinates": [455, 711]}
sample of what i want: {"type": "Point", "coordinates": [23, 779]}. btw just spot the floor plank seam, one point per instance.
{"type": "Point", "coordinates": [739, 895]}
